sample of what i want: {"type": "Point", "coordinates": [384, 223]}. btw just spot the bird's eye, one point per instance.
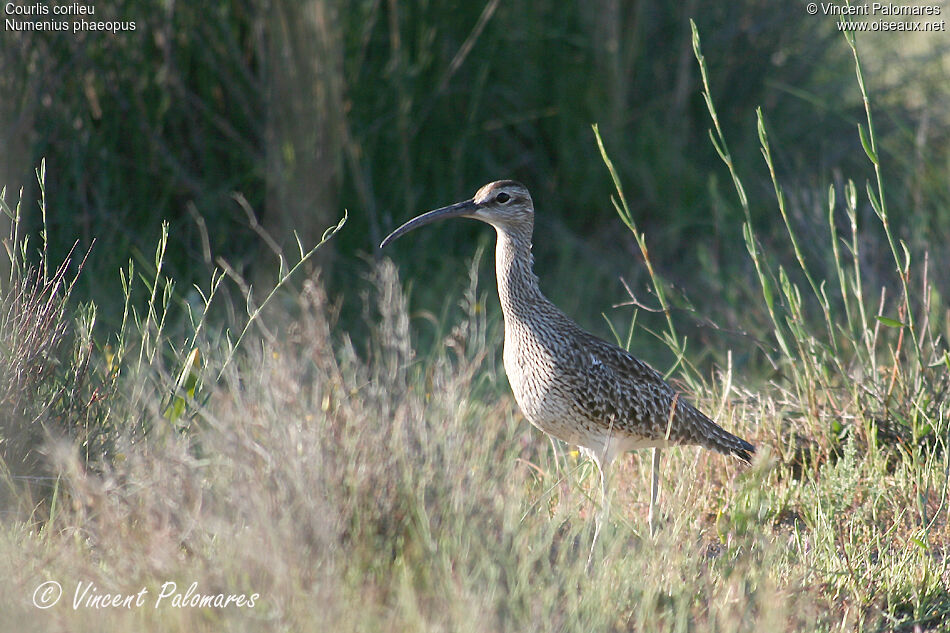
{"type": "Point", "coordinates": [502, 197]}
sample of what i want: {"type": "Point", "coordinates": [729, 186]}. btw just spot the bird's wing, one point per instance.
{"type": "Point", "coordinates": [621, 392]}
{"type": "Point", "coordinates": [618, 391]}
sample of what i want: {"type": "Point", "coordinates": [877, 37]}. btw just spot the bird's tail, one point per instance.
{"type": "Point", "coordinates": [710, 435]}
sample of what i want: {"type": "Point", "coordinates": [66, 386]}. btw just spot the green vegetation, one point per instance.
{"type": "Point", "coordinates": [348, 450]}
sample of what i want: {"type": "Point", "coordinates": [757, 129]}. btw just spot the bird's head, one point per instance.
{"type": "Point", "coordinates": [505, 204]}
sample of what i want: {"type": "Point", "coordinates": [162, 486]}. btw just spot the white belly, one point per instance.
{"type": "Point", "coordinates": [544, 396]}
{"type": "Point", "coordinates": [545, 399]}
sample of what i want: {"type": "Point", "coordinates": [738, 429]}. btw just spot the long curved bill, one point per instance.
{"type": "Point", "coordinates": [457, 210]}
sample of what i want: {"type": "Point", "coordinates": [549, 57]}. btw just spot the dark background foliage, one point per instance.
{"type": "Point", "coordinates": [390, 108]}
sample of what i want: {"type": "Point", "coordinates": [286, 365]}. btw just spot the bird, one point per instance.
{"type": "Point", "coordinates": [567, 382]}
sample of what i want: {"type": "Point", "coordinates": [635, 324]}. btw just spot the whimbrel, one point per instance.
{"type": "Point", "coordinates": [568, 383]}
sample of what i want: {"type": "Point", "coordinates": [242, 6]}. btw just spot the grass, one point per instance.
{"type": "Point", "coordinates": [369, 485]}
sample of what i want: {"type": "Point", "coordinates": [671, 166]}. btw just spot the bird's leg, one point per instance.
{"type": "Point", "coordinates": [604, 510]}
{"type": "Point", "coordinates": [654, 490]}
{"type": "Point", "coordinates": [557, 456]}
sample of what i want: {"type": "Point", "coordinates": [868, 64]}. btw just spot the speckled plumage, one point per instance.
{"type": "Point", "coordinates": [568, 383]}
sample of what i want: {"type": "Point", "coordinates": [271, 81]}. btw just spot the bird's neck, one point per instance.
{"type": "Point", "coordinates": [518, 288]}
